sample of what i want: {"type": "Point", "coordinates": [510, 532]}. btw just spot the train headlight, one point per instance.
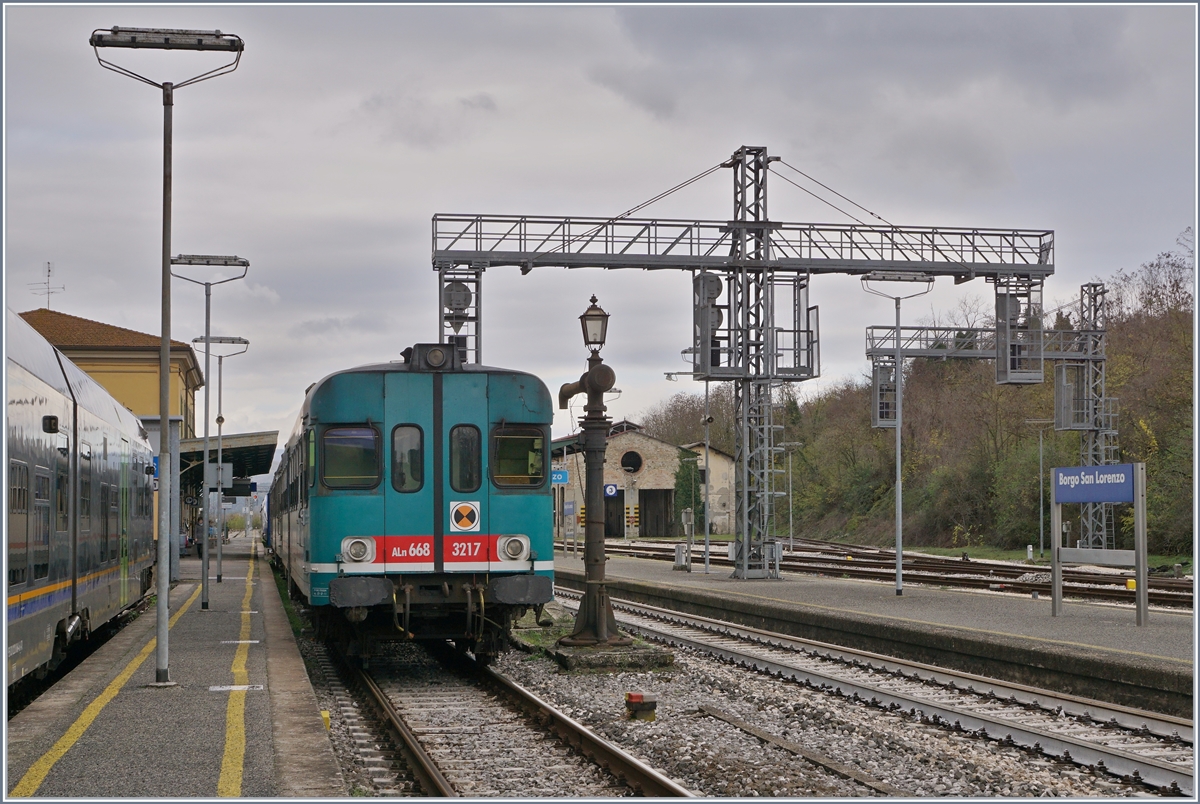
{"type": "Point", "coordinates": [513, 548]}
{"type": "Point", "coordinates": [358, 549]}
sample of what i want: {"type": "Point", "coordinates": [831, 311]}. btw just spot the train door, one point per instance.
{"type": "Point", "coordinates": [39, 548]}
{"type": "Point", "coordinates": [61, 543]}
{"type": "Point", "coordinates": [123, 513]}
{"type": "Point", "coordinates": [18, 523]}
{"type": "Point", "coordinates": [409, 485]}
{"type": "Point", "coordinates": [463, 539]}
{"type": "Point", "coordinates": [83, 559]}
{"type": "Point", "coordinates": [18, 562]}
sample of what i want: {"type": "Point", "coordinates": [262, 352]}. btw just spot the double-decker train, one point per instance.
{"type": "Point", "coordinates": [413, 502]}
{"type": "Point", "coordinates": [80, 537]}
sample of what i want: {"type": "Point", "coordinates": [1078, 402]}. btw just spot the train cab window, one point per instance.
{"type": "Point", "coordinates": [350, 458]}
{"type": "Point", "coordinates": [39, 547]}
{"type": "Point", "coordinates": [408, 458]}
{"type": "Point", "coordinates": [465, 458]}
{"type": "Point", "coordinates": [518, 457]}
{"type": "Point", "coordinates": [18, 522]}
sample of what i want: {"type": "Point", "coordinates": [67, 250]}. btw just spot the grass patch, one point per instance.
{"type": "Point", "coordinates": [293, 616]}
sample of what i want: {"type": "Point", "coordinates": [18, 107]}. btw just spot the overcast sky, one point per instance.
{"type": "Point", "coordinates": [324, 156]}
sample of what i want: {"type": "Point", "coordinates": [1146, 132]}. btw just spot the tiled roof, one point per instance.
{"type": "Point", "coordinates": [72, 332]}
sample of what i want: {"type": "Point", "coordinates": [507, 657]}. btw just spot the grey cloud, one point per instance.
{"type": "Point", "coordinates": [404, 116]}
{"type": "Point", "coordinates": [645, 89]}
{"type": "Point", "coordinates": [345, 129]}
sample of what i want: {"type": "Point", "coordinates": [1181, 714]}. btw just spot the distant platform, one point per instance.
{"type": "Point", "coordinates": [1094, 650]}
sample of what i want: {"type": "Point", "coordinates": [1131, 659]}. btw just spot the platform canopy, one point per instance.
{"type": "Point", "coordinates": [250, 453]}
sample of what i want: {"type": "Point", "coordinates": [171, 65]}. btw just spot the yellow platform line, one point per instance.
{"type": "Point", "coordinates": [233, 760]}
{"type": "Point", "coordinates": [36, 774]}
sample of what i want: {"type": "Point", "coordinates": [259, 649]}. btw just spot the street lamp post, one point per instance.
{"type": "Point", "coordinates": [1049, 423]}
{"type": "Point", "coordinates": [898, 276]}
{"type": "Point", "coordinates": [165, 39]}
{"type": "Point", "coordinates": [791, 527]}
{"type": "Point", "coordinates": [595, 623]}
{"type": "Point", "coordinates": [220, 425]}
{"type": "Point", "coordinates": [218, 262]}
{"type": "Point", "coordinates": [708, 419]}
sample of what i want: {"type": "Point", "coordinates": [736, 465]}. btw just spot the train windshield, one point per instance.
{"type": "Point", "coordinates": [518, 456]}
{"type": "Point", "coordinates": [350, 457]}
{"type": "Point", "coordinates": [407, 458]}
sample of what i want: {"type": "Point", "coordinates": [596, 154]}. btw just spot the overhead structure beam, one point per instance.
{"type": "Point", "coordinates": [530, 241]}
{"type": "Point", "coordinates": [743, 268]}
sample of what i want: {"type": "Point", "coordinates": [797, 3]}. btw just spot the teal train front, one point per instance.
{"type": "Point", "coordinates": [413, 502]}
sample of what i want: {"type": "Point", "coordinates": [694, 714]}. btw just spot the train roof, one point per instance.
{"type": "Point", "coordinates": [402, 366]}
{"type": "Point", "coordinates": [25, 347]}
{"type": "Point", "coordinates": [399, 366]}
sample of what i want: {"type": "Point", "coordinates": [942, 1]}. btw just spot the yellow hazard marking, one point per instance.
{"type": "Point", "coordinates": [36, 774]}
{"type": "Point", "coordinates": [233, 761]}
{"type": "Point", "coordinates": [464, 516]}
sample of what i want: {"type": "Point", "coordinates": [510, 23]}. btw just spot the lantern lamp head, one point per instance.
{"type": "Point", "coordinates": [595, 326]}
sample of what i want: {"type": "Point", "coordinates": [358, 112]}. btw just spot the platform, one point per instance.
{"type": "Point", "coordinates": [106, 731]}
{"type": "Point", "coordinates": [1094, 650]}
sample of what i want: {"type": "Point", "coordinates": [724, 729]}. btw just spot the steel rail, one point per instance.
{"type": "Point", "coordinates": [1121, 763]}
{"type": "Point", "coordinates": [632, 771]}
{"type": "Point", "coordinates": [426, 771]}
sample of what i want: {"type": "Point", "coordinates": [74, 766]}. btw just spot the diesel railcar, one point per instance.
{"type": "Point", "coordinates": [80, 535]}
{"type": "Point", "coordinates": [413, 502]}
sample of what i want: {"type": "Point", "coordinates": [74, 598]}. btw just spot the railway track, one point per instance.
{"type": "Point", "coordinates": [824, 558]}
{"type": "Point", "coordinates": [1136, 746]}
{"type": "Point", "coordinates": [468, 731]}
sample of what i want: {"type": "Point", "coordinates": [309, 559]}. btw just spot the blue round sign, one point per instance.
{"type": "Point", "coordinates": [610, 489]}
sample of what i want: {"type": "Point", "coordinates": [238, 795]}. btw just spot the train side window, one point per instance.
{"type": "Point", "coordinates": [350, 458]}
{"type": "Point", "coordinates": [61, 496]}
{"type": "Point", "coordinates": [518, 457]}
{"type": "Point", "coordinates": [40, 541]}
{"type": "Point", "coordinates": [465, 458]}
{"type": "Point", "coordinates": [18, 522]}
{"type": "Point", "coordinates": [408, 458]}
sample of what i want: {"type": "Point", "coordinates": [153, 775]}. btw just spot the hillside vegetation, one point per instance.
{"type": "Point", "coordinates": [970, 461]}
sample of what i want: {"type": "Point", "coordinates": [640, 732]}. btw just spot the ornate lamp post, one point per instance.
{"type": "Point", "coordinates": [595, 624]}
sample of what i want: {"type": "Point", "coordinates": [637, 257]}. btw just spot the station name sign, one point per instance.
{"type": "Point", "coordinates": [1094, 484]}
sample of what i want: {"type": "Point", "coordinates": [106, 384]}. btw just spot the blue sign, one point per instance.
{"type": "Point", "coordinates": [559, 477]}
{"type": "Point", "coordinates": [155, 466]}
{"type": "Point", "coordinates": [568, 507]}
{"type": "Point", "coordinates": [1094, 484]}
{"type": "Point", "coordinates": [610, 489]}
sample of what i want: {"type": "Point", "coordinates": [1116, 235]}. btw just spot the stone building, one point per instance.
{"type": "Point", "coordinates": [720, 490]}
{"type": "Point", "coordinates": [641, 470]}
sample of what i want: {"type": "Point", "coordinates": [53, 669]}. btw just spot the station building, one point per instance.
{"type": "Point", "coordinates": [641, 470]}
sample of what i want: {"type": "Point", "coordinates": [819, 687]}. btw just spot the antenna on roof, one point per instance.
{"type": "Point", "coordinates": [44, 288]}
